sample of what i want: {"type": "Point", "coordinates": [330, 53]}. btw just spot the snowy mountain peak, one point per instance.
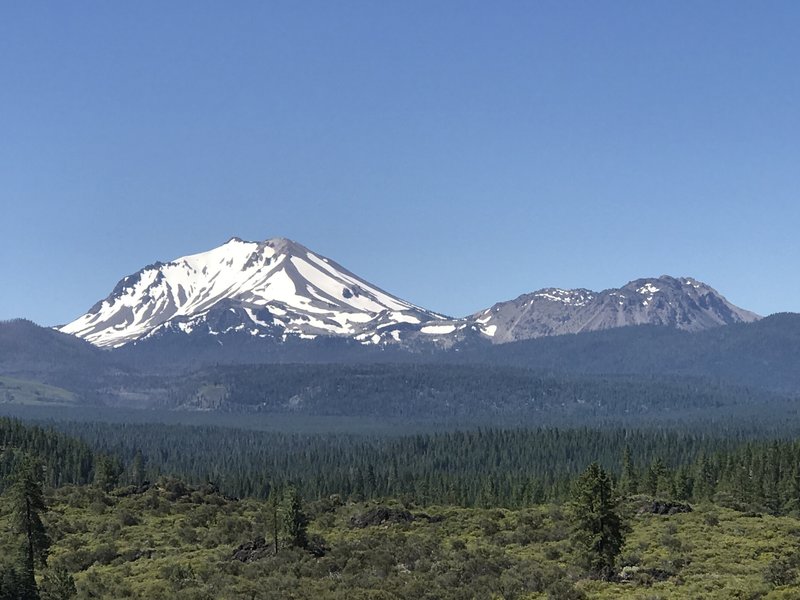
{"type": "Point", "coordinates": [278, 289]}
{"type": "Point", "coordinates": [273, 288]}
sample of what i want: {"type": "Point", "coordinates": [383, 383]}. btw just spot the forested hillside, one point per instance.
{"type": "Point", "coordinates": [747, 372]}
{"type": "Point", "coordinates": [765, 354]}
{"type": "Point", "coordinates": [477, 394]}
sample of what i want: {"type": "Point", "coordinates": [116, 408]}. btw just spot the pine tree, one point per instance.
{"type": "Point", "coordinates": [370, 482]}
{"type": "Point", "coordinates": [295, 520]}
{"type": "Point", "coordinates": [658, 479]}
{"type": "Point", "coordinates": [682, 484]}
{"type": "Point", "coordinates": [58, 584]}
{"type": "Point", "coordinates": [772, 480]}
{"type": "Point", "coordinates": [107, 472]}
{"type": "Point", "coordinates": [137, 469]}
{"type": "Point", "coordinates": [28, 504]}
{"type": "Point", "coordinates": [12, 586]}
{"type": "Point", "coordinates": [598, 531]}
{"type": "Point", "coordinates": [704, 480]}
{"type": "Point", "coordinates": [273, 507]}
{"type": "Point", "coordinates": [628, 481]}
{"type": "Point", "coordinates": [794, 491]}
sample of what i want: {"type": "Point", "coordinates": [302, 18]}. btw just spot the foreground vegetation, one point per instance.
{"type": "Point", "coordinates": [484, 514]}
{"type": "Point", "coordinates": [172, 541]}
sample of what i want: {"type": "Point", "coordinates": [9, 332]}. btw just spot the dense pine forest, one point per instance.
{"type": "Point", "coordinates": [481, 467]}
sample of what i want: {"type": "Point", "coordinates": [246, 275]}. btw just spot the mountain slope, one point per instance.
{"type": "Point", "coordinates": [41, 354]}
{"type": "Point", "coordinates": [27, 348]}
{"type": "Point", "coordinates": [448, 391]}
{"type": "Point", "coordinates": [271, 289]}
{"type": "Point", "coordinates": [684, 304]}
{"type": "Point", "coordinates": [764, 354]}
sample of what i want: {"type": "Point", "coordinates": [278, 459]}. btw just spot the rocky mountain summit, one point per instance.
{"type": "Point", "coordinates": [680, 303]}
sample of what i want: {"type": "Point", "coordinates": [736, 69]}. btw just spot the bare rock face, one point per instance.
{"type": "Point", "coordinates": [680, 303]}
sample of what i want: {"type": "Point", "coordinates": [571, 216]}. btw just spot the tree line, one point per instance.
{"type": "Point", "coordinates": [64, 459]}
{"type": "Point", "coordinates": [481, 467]}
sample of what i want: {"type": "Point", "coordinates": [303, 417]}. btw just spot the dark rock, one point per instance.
{"type": "Point", "coordinates": [137, 554]}
{"type": "Point", "coordinates": [429, 518]}
{"type": "Point", "coordinates": [380, 515]}
{"type": "Point", "coordinates": [253, 550]}
{"type": "Point", "coordinates": [131, 490]}
{"type": "Point", "coordinates": [663, 507]}
{"type": "Point", "coordinates": [317, 546]}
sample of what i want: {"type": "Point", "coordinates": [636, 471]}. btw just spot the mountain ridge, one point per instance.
{"type": "Point", "coordinates": [682, 303]}
{"type": "Point", "coordinates": [278, 289]}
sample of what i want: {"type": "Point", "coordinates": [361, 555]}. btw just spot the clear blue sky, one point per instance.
{"type": "Point", "coordinates": [454, 153]}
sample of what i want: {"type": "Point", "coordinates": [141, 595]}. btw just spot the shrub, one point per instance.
{"type": "Point", "coordinates": [127, 519]}
{"type": "Point", "coordinates": [782, 570]}
{"type": "Point", "coordinates": [564, 590]}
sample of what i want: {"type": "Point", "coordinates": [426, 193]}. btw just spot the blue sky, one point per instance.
{"type": "Point", "coordinates": [454, 153]}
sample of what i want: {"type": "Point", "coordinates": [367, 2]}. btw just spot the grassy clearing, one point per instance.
{"type": "Point", "coordinates": [32, 393]}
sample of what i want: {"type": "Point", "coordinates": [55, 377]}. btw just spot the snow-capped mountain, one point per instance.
{"type": "Point", "coordinates": [680, 303]}
{"type": "Point", "coordinates": [279, 290]}
{"type": "Point", "coordinates": [271, 289]}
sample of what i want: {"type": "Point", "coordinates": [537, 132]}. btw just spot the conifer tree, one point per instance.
{"type": "Point", "coordinates": [772, 480]}
{"type": "Point", "coordinates": [137, 469]}
{"type": "Point", "coordinates": [657, 476]}
{"type": "Point", "coordinates": [705, 483]}
{"type": "Point", "coordinates": [682, 484]}
{"type": "Point", "coordinates": [58, 584]}
{"type": "Point", "coordinates": [27, 498]}
{"type": "Point", "coordinates": [794, 492]}
{"type": "Point", "coordinates": [628, 481]}
{"type": "Point", "coordinates": [598, 531]}
{"type": "Point", "coordinates": [12, 586]}
{"type": "Point", "coordinates": [273, 507]}
{"type": "Point", "coordinates": [295, 520]}
{"type": "Point", "coordinates": [107, 472]}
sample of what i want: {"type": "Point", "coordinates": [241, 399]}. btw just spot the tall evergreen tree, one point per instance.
{"type": "Point", "coordinates": [58, 584]}
{"type": "Point", "coordinates": [657, 479]}
{"type": "Point", "coordinates": [273, 508]}
{"type": "Point", "coordinates": [598, 531]}
{"type": "Point", "coordinates": [683, 483]}
{"type": "Point", "coordinates": [107, 472]}
{"type": "Point", "coordinates": [137, 469]}
{"type": "Point", "coordinates": [27, 498]}
{"type": "Point", "coordinates": [704, 480]}
{"type": "Point", "coordinates": [628, 481]}
{"type": "Point", "coordinates": [295, 520]}
{"type": "Point", "coordinates": [772, 480]}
